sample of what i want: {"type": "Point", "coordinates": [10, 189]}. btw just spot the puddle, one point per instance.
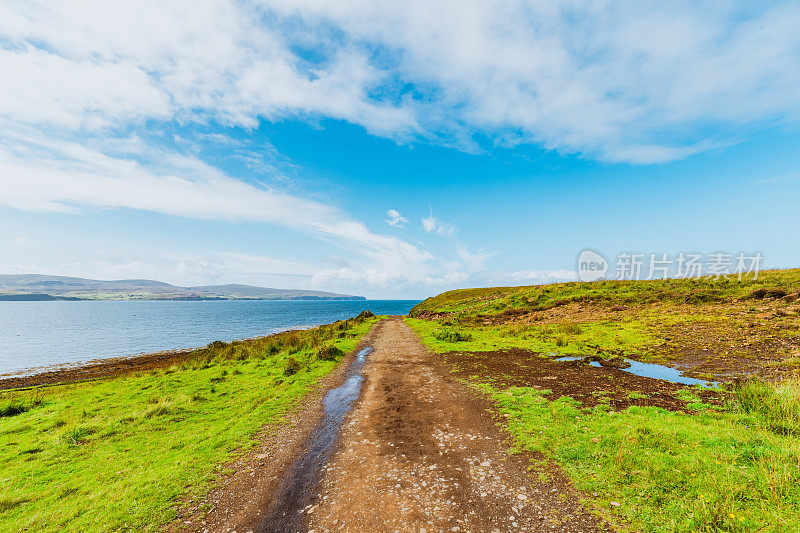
{"type": "Point", "coordinates": [651, 370]}
{"type": "Point", "coordinates": [303, 476]}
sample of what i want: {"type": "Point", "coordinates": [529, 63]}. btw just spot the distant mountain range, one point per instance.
{"type": "Point", "coordinates": [39, 287]}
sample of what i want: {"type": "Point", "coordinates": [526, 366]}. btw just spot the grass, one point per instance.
{"type": "Point", "coordinates": [735, 468]}
{"type": "Point", "coordinates": [119, 454]}
{"type": "Point", "coordinates": [471, 303]}
{"type": "Point", "coordinates": [620, 338]}
{"type": "Point", "coordinates": [672, 471]}
{"type": "Point", "coordinates": [774, 405]}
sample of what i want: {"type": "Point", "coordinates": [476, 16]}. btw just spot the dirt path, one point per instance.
{"type": "Point", "coordinates": [421, 453]}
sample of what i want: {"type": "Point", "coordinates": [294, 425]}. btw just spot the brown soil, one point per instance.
{"type": "Point", "coordinates": [588, 384]}
{"type": "Point", "coordinates": [99, 369]}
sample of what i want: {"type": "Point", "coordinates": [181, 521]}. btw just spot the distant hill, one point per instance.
{"type": "Point", "coordinates": [40, 287]}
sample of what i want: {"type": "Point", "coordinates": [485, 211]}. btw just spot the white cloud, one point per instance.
{"type": "Point", "coordinates": [631, 81]}
{"type": "Point", "coordinates": [65, 177]}
{"type": "Point", "coordinates": [395, 218]}
{"type": "Point", "coordinates": [431, 224]}
{"type": "Point", "coordinates": [349, 279]}
{"type": "Point", "coordinates": [100, 64]}
{"type": "Point", "coordinates": [524, 277]}
{"type": "Point", "coordinates": [475, 260]}
{"type": "Point", "coordinates": [621, 81]}
{"type": "Point", "coordinates": [176, 268]}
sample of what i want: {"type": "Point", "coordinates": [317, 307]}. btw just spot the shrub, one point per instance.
{"type": "Point", "coordinates": [273, 349]}
{"type": "Point", "coordinates": [329, 353]}
{"type": "Point", "coordinates": [365, 314]}
{"type": "Point", "coordinates": [571, 329]}
{"type": "Point", "coordinates": [451, 335]}
{"type": "Point", "coordinates": [293, 340]}
{"type": "Point", "coordinates": [291, 367]}
{"type": "Point", "coordinates": [13, 408]}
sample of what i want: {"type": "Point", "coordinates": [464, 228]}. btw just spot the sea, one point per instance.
{"type": "Point", "coordinates": [37, 335]}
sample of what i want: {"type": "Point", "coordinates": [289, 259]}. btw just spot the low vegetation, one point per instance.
{"type": "Point", "coordinates": [119, 454]}
{"type": "Point", "coordinates": [723, 328]}
{"type": "Point", "coordinates": [699, 465]}
{"type": "Point", "coordinates": [512, 300]}
{"type": "Point", "coordinates": [732, 469]}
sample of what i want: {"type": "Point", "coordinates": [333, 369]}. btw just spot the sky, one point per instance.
{"type": "Point", "coordinates": [393, 149]}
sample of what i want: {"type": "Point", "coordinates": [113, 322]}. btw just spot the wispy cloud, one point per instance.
{"type": "Point", "coordinates": [431, 224]}
{"type": "Point", "coordinates": [395, 218]}
{"type": "Point", "coordinates": [475, 260]}
{"type": "Point", "coordinates": [65, 177]}
{"type": "Point", "coordinates": [781, 179]}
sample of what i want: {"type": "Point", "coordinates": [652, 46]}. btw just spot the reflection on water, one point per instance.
{"type": "Point", "coordinates": [649, 370]}
{"type": "Point", "coordinates": [304, 474]}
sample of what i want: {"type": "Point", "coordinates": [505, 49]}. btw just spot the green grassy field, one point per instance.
{"type": "Point", "coordinates": [621, 338]}
{"type": "Point", "coordinates": [712, 468]}
{"type": "Point", "coordinates": [118, 454]}
{"type": "Point", "coordinates": [472, 303]}
{"type": "Point", "coordinates": [736, 469]}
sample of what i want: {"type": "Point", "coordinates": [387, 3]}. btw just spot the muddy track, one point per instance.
{"type": "Point", "coordinates": [419, 452]}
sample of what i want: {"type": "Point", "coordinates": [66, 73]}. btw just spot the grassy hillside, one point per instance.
{"type": "Point", "coordinates": [722, 328]}
{"type": "Point", "coordinates": [647, 454]}
{"type": "Point", "coordinates": [516, 300]}
{"type": "Point", "coordinates": [118, 454]}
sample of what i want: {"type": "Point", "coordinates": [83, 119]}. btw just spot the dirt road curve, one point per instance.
{"type": "Point", "coordinates": [422, 453]}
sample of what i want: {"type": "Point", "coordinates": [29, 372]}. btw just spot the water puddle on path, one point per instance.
{"type": "Point", "coordinates": [303, 476]}
{"type": "Point", "coordinates": [650, 370]}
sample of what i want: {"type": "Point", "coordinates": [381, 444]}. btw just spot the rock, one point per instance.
{"type": "Point", "coordinates": [615, 504]}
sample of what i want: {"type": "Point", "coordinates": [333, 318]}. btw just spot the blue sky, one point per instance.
{"type": "Point", "coordinates": [393, 149]}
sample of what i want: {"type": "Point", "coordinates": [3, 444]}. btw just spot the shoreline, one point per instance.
{"type": "Point", "coordinates": [108, 367]}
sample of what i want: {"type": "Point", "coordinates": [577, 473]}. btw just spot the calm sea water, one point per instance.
{"type": "Point", "coordinates": [37, 334]}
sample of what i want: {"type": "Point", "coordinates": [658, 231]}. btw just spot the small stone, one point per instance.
{"type": "Point", "coordinates": [615, 504]}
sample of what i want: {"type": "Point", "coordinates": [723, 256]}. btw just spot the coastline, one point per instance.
{"type": "Point", "coordinates": [40, 337]}
{"type": "Point", "coordinates": [109, 367]}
